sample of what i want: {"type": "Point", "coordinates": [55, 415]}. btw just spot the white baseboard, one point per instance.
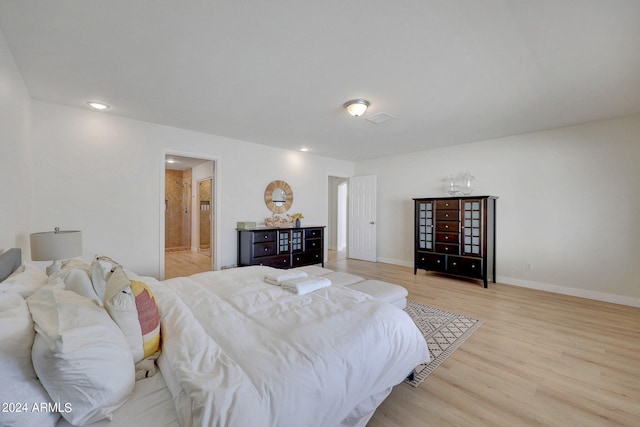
{"type": "Point", "coordinates": [576, 292]}
{"type": "Point", "coordinates": [565, 290]}
{"type": "Point", "coordinates": [401, 262]}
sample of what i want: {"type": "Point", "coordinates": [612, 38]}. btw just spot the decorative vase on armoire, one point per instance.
{"type": "Point", "coordinates": [466, 187]}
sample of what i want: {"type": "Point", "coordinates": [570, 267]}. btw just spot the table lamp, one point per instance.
{"type": "Point", "coordinates": [55, 246]}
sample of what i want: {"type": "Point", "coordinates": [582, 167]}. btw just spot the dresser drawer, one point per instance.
{"type": "Point", "coordinates": [449, 226]}
{"type": "Point", "coordinates": [265, 249]}
{"type": "Point", "coordinates": [430, 261]}
{"type": "Point", "coordinates": [463, 266]}
{"type": "Point", "coordinates": [274, 261]}
{"type": "Point", "coordinates": [447, 215]}
{"type": "Point", "coordinates": [447, 238]}
{"type": "Point", "coordinates": [448, 248]}
{"type": "Point", "coordinates": [264, 236]}
{"type": "Point", "coordinates": [306, 258]}
{"type": "Point", "coordinates": [311, 233]}
{"type": "Point", "coordinates": [312, 244]}
{"type": "Point", "coordinates": [448, 204]}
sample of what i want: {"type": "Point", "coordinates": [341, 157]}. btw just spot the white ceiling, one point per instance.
{"type": "Point", "coordinates": [180, 163]}
{"type": "Point", "coordinates": [277, 72]}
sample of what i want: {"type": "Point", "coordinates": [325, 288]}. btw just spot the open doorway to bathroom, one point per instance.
{"type": "Point", "coordinates": [189, 207]}
{"type": "Point", "coordinates": [337, 225]}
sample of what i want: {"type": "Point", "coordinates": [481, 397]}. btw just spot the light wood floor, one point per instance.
{"type": "Point", "coordinates": [185, 263]}
{"type": "Point", "coordinates": [538, 359]}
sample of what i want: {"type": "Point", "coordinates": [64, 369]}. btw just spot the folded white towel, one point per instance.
{"type": "Point", "coordinates": [284, 275]}
{"type": "Point", "coordinates": [304, 285]}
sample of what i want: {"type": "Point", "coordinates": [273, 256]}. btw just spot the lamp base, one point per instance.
{"type": "Point", "coordinates": [54, 267]}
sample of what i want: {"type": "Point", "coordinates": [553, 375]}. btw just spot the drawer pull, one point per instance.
{"type": "Point", "coordinates": [438, 261]}
{"type": "Point", "coordinates": [446, 226]}
{"type": "Point", "coordinates": [446, 237]}
{"type": "Point", "coordinates": [266, 249]}
{"type": "Point", "coordinates": [473, 266]}
{"type": "Point", "coordinates": [454, 263]}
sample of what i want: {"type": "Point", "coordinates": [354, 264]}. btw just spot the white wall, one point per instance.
{"type": "Point", "coordinates": [569, 198]}
{"type": "Point", "coordinates": [102, 174]}
{"type": "Point", "coordinates": [569, 204]}
{"type": "Point", "coordinates": [15, 155]}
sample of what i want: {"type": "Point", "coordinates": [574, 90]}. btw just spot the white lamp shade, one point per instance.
{"type": "Point", "coordinates": [55, 245]}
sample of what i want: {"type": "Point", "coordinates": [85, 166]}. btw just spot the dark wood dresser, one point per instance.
{"type": "Point", "coordinates": [281, 247]}
{"type": "Point", "coordinates": [456, 235]}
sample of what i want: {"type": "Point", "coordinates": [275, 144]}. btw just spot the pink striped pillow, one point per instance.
{"type": "Point", "coordinates": [130, 303]}
{"type": "Point", "coordinates": [148, 316]}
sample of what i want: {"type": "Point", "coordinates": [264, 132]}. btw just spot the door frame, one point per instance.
{"type": "Point", "coordinates": [330, 202]}
{"type": "Point", "coordinates": [212, 218]}
{"type": "Point", "coordinates": [215, 212]}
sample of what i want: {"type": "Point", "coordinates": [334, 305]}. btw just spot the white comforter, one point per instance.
{"type": "Point", "coordinates": [240, 352]}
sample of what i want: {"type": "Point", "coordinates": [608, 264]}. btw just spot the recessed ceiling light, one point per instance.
{"type": "Point", "coordinates": [97, 105]}
{"type": "Point", "coordinates": [170, 161]}
{"type": "Point", "coordinates": [304, 149]}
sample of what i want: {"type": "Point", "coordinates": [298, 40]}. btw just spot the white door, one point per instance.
{"type": "Point", "coordinates": [362, 217]}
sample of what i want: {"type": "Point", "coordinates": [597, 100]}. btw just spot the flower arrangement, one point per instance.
{"type": "Point", "coordinates": [297, 216]}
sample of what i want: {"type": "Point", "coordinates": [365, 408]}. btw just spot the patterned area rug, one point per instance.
{"type": "Point", "coordinates": [444, 332]}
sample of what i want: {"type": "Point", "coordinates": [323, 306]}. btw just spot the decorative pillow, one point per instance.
{"type": "Point", "coordinates": [101, 269]}
{"type": "Point", "coordinates": [131, 305]}
{"type": "Point", "coordinates": [24, 281]}
{"type": "Point", "coordinates": [20, 386]}
{"type": "Point", "coordinates": [76, 280]}
{"type": "Point", "coordinates": [80, 355]}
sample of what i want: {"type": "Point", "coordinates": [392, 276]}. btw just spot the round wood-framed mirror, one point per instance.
{"type": "Point", "coordinates": [278, 196]}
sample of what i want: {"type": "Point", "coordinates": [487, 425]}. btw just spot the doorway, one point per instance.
{"type": "Point", "coordinates": [337, 224]}
{"type": "Point", "coordinates": [189, 216]}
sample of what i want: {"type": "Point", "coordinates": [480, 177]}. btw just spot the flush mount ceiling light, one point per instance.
{"type": "Point", "coordinates": [356, 107]}
{"type": "Point", "coordinates": [97, 105]}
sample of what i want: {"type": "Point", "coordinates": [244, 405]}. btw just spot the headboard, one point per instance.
{"type": "Point", "coordinates": [9, 262]}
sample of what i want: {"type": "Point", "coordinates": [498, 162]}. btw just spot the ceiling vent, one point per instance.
{"type": "Point", "coordinates": [379, 118]}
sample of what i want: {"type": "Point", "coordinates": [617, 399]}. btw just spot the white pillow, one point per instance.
{"type": "Point", "coordinates": [20, 386]}
{"type": "Point", "coordinates": [80, 355]}
{"type": "Point", "coordinates": [77, 262]}
{"type": "Point", "coordinates": [24, 281]}
{"type": "Point", "coordinates": [78, 281]}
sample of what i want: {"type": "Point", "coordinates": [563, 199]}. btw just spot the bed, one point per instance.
{"type": "Point", "coordinates": [235, 351]}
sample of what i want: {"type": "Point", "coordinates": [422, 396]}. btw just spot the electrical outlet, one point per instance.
{"type": "Point", "coordinates": [528, 266]}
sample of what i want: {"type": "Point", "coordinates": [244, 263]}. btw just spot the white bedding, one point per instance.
{"type": "Point", "coordinates": [150, 404]}
{"type": "Point", "coordinates": [240, 352]}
